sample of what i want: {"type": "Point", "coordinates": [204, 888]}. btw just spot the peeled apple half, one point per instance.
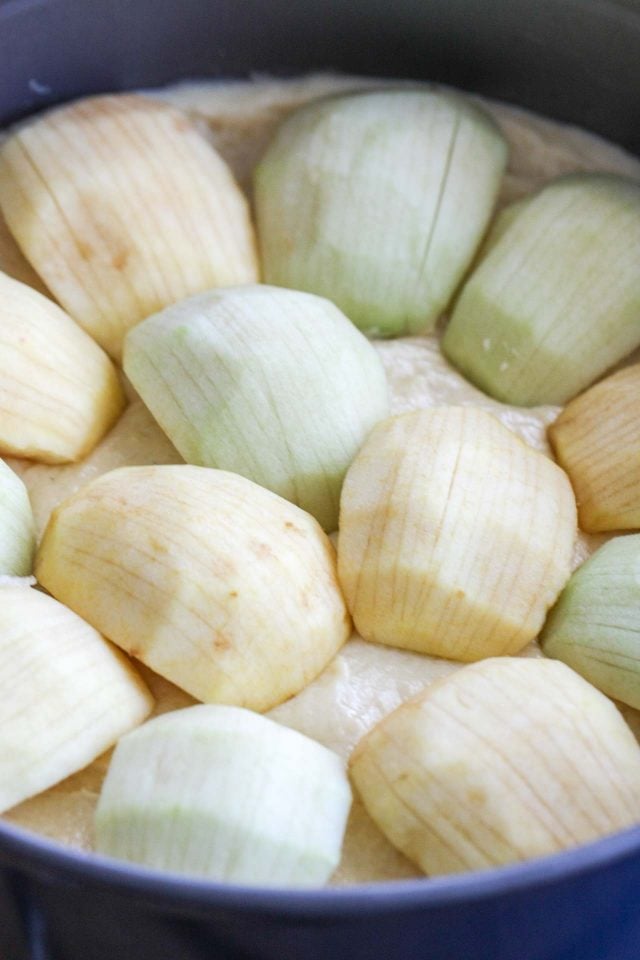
{"type": "Point", "coordinates": [59, 392]}
{"type": "Point", "coordinates": [378, 202]}
{"type": "Point", "coordinates": [595, 625]}
{"type": "Point", "coordinates": [596, 439]}
{"type": "Point", "coordinates": [281, 388]}
{"type": "Point", "coordinates": [17, 527]}
{"type": "Point", "coordinates": [224, 793]}
{"type": "Point", "coordinates": [123, 207]}
{"type": "Point", "coordinates": [215, 583]}
{"type": "Point", "coordinates": [556, 300]}
{"type": "Point", "coordinates": [13, 262]}
{"type": "Point", "coordinates": [455, 536]}
{"type": "Point", "coordinates": [66, 695]}
{"type": "Point", "coordinates": [501, 761]}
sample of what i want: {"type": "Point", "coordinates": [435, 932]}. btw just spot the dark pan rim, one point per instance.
{"type": "Point", "coordinates": [51, 861]}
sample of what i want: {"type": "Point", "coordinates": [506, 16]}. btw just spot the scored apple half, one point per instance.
{"type": "Point", "coordinates": [123, 207]}
{"type": "Point", "coordinates": [502, 761]}
{"type": "Point", "coordinates": [596, 439]}
{"type": "Point", "coordinates": [378, 201]}
{"type": "Point", "coordinates": [554, 301]}
{"type": "Point", "coordinates": [217, 584]}
{"type": "Point", "coordinates": [60, 392]}
{"type": "Point", "coordinates": [282, 388]}
{"type": "Point", "coordinates": [595, 627]}
{"type": "Point", "coordinates": [455, 536]}
{"type": "Point", "coordinates": [223, 793]}
{"type": "Point", "coordinates": [66, 695]}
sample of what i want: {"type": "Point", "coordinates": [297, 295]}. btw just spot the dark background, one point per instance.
{"type": "Point", "coordinates": [575, 59]}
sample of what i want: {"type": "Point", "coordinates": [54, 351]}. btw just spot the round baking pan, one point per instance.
{"type": "Point", "coordinates": [576, 61]}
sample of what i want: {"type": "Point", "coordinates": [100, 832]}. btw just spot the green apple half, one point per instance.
{"type": "Point", "coordinates": [595, 625]}
{"type": "Point", "coordinates": [224, 793]}
{"type": "Point", "coordinates": [275, 385]}
{"type": "Point", "coordinates": [556, 300]}
{"type": "Point", "coordinates": [379, 200]}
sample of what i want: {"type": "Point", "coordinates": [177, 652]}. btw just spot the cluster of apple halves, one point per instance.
{"type": "Point", "coordinates": [455, 537]}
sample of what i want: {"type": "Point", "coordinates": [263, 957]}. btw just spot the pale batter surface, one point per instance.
{"type": "Point", "coordinates": [365, 681]}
